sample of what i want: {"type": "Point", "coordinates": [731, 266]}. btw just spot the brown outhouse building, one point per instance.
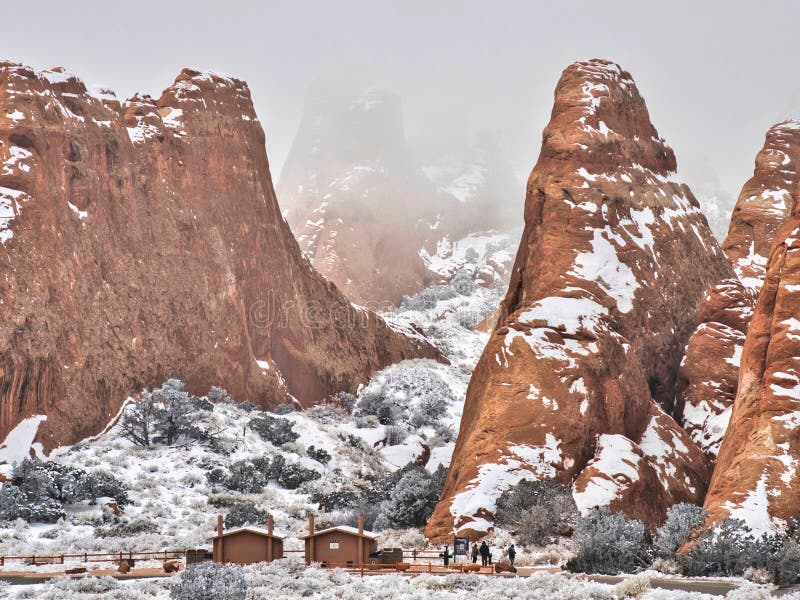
{"type": "Point", "coordinates": [247, 545]}
{"type": "Point", "coordinates": [339, 545]}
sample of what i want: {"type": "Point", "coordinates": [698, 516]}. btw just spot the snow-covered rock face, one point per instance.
{"type": "Point", "coordinates": [710, 368]}
{"type": "Point", "coordinates": [614, 259]}
{"type": "Point", "coordinates": [145, 239]}
{"type": "Point", "coordinates": [365, 208]}
{"type": "Point", "coordinates": [709, 372]}
{"type": "Point", "coordinates": [756, 476]}
{"type": "Point", "coordinates": [765, 203]}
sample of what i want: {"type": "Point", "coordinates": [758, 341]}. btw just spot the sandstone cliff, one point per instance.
{"type": "Point", "coordinates": [142, 240]}
{"type": "Point", "coordinates": [709, 373]}
{"type": "Point", "coordinates": [367, 208]}
{"type": "Point", "coordinates": [756, 477]}
{"type": "Point", "coordinates": [614, 259]}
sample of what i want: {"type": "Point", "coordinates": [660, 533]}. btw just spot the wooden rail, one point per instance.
{"type": "Point", "coordinates": [410, 568]}
{"type": "Point", "coordinates": [45, 559]}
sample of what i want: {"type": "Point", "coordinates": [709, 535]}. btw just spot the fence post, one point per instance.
{"type": "Point", "coordinates": [62, 559]}
{"type": "Point", "coordinates": [362, 567]}
{"type": "Point", "coordinates": [430, 569]}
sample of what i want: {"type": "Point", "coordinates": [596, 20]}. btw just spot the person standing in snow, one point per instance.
{"type": "Point", "coordinates": [474, 552]}
{"type": "Point", "coordinates": [484, 554]}
{"type": "Point", "coordinates": [512, 554]}
{"type": "Point", "coordinates": [446, 555]}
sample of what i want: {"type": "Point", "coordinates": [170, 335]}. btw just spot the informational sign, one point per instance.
{"type": "Point", "coordinates": [334, 545]}
{"type": "Point", "coordinates": [460, 546]}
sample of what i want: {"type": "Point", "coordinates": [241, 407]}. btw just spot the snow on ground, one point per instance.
{"type": "Point", "coordinates": [284, 581]}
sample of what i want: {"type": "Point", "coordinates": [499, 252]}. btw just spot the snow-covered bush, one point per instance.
{"type": "Point", "coordinates": [750, 591]}
{"type": "Point", "coordinates": [633, 587]}
{"type": "Point", "coordinates": [284, 409]}
{"type": "Point", "coordinates": [293, 475]}
{"type": "Point", "coordinates": [244, 513]}
{"type": "Point", "coordinates": [608, 543]}
{"type": "Point", "coordinates": [217, 394]}
{"type": "Point", "coordinates": [367, 422]}
{"type": "Point", "coordinates": [210, 581]}
{"type": "Point", "coordinates": [411, 501]}
{"type": "Point", "coordinates": [683, 520]}
{"type": "Point", "coordinates": [319, 454]}
{"type": "Point", "coordinates": [126, 528]}
{"type": "Point", "coordinates": [463, 283]}
{"type": "Point", "coordinates": [444, 434]}
{"type": "Point", "coordinates": [244, 476]}
{"type": "Point", "coordinates": [395, 435]}
{"type": "Point", "coordinates": [275, 430]}
{"type": "Point", "coordinates": [40, 489]}
{"type": "Point", "coordinates": [347, 401]}
{"type": "Point", "coordinates": [405, 391]}
{"type": "Point", "coordinates": [537, 511]}
{"type": "Point", "coordinates": [85, 585]}
{"type": "Point", "coordinates": [728, 549]}
{"type": "Point", "coordinates": [335, 499]}
{"type": "Point", "coordinates": [167, 415]}
{"type": "Point", "coordinates": [424, 300]}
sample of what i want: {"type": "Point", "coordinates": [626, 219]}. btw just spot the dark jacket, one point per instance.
{"type": "Point", "coordinates": [484, 549]}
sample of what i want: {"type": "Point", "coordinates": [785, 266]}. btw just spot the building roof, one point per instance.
{"type": "Point", "coordinates": [343, 529]}
{"type": "Point", "coordinates": [256, 530]}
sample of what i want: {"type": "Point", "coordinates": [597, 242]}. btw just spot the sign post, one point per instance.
{"type": "Point", "coordinates": [460, 546]}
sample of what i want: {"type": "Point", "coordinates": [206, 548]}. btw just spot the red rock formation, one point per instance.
{"type": "Point", "coordinates": [363, 208]}
{"type": "Point", "coordinates": [756, 476]}
{"type": "Point", "coordinates": [765, 203]}
{"type": "Point", "coordinates": [709, 373]}
{"type": "Point", "coordinates": [614, 259]}
{"type": "Point", "coordinates": [144, 241]}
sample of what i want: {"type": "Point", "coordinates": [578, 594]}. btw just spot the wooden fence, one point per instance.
{"type": "Point", "coordinates": [434, 563]}
{"type": "Point", "coordinates": [114, 557]}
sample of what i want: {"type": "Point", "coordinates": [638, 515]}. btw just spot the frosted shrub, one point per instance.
{"type": "Point", "coordinates": [444, 435]}
{"type": "Point", "coordinates": [244, 513]}
{"type": "Point", "coordinates": [407, 393]}
{"type": "Point", "coordinates": [292, 476]}
{"type": "Point", "coordinates": [167, 415]}
{"type": "Point", "coordinates": [463, 283]}
{"type": "Point", "coordinates": [758, 575]}
{"type": "Point", "coordinates": [284, 409]}
{"type": "Point", "coordinates": [275, 430]}
{"type": "Point", "coordinates": [727, 550]}
{"type": "Point", "coordinates": [245, 477]}
{"type": "Point", "coordinates": [210, 581]}
{"type": "Point", "coordinates": [347, 401]}
{"type": "Point", "coordinates": [748, 591]}
{"type": "Point", "coordinates": [424, 300]}
{"type": "Point", "coordinates": [42, 488]}
{"type": "Point", "coordinates": [319, 454]}
{"type": "Point", "coordinates": [217, 394]}
{"type": "Point", "coordinates": [609, 544]}
{"type": "Point", "coordinates": [367, 422]}
{"type": "Point", "coordinates": [395, 435]}
{"type": "Point", "coordinates": [633, 587]}
{"type": "Point", "coordinates": [683, 520]}
{"type": "Point", "coordinates": [86, 585]}
{"type": "Point", "coordinates": [412, 500]}
{"type": "Point", "coordinates": [537, 511]}
{"type": "Point", "coordinates": [666, 565]}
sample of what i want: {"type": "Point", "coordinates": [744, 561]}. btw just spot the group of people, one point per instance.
{"type": "Point", "coordinates": [486, 553]}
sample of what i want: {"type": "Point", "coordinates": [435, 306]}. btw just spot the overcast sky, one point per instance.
{"type": "Point", "coordinates": [715, 75]}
